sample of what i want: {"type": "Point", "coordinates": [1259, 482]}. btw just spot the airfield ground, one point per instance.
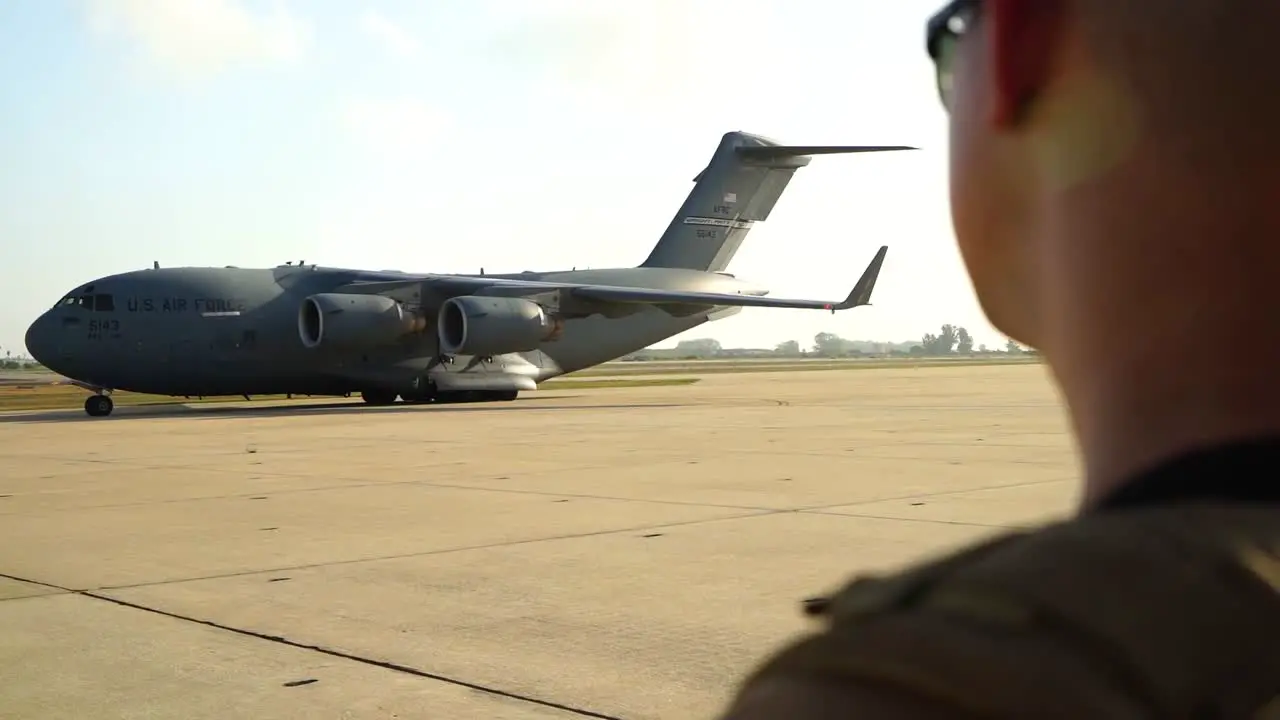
{"type": "Point", "coordinates": [607, 553]}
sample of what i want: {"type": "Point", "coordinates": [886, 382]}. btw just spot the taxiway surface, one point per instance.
{"type": "Point", "coordinates": [619, 553]}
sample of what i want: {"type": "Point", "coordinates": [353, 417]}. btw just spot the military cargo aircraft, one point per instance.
{"type": "Point", "coordinates": [388, 335]}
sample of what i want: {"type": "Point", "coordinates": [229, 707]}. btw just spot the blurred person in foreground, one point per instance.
{"type": "Point", "coordinates": [1115, 187]}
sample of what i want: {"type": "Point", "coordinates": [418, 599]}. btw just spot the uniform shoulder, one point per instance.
{"type": "Point", "coordinates": [1128, 614]}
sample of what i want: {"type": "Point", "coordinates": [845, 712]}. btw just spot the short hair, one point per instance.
{"type": "Point", "coordinates": [1205, 60]}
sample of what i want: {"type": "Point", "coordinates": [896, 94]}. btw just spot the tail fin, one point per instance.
{"type": "Point", "coordinates": [740, 186]}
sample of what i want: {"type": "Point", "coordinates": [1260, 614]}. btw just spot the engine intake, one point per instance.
{"type": "Point", "coordinates": [342, 320]}
{"type": "Point", "coordinates": [487, 326]}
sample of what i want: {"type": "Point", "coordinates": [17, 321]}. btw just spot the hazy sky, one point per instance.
{"type": "Point", "coordinates": [449, 135]}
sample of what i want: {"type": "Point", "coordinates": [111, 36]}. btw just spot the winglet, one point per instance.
{"type": "Point", "coordinates": [861, 293]}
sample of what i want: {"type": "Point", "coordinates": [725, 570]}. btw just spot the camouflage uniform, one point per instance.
{"type": "Point", "coordinates": [1162, 605]}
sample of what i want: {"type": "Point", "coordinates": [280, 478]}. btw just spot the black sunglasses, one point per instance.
{"type": "Point", "coordinates": [942, 32]}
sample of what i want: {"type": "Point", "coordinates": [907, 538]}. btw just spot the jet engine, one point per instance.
{"type": "Point", "coordinates": [342, 320]}
{"type": "Point", "coordinates": [487, 326]}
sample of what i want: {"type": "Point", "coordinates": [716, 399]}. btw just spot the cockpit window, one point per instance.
{"type": "Point", "coordinates": [101, 303]}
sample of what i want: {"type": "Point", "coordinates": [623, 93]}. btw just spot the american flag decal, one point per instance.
{"type": "Point", "coordinates": [731, 197]}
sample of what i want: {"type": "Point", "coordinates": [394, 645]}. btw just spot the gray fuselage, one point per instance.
{"type": "Point", "coordinates": [232, 331]}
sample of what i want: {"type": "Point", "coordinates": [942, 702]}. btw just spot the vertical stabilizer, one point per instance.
{"type": "Point", "coordinates": [746, 176]}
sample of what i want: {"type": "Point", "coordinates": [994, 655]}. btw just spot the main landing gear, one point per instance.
{"type": "Point", "coordinates": [99, 405]}
{"type": "Point", "coordinates": [386, 397]}
{"type": "Point", "coordinates": [379, 397]}
{"type": "Point", "coordinates": [470, 396]}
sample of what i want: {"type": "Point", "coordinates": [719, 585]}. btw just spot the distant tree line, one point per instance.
{"type": "Point", "coordinates": [12, 362]}
{"type": "Point", "coordinates": [950, 340]}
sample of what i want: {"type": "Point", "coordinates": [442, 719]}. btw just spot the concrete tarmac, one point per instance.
{"type": "Point", "coordinates": [616, 553]}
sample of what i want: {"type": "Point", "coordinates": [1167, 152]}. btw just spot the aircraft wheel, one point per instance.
{"type": "Point", "coordinates": [424, 394]}
{"type": "Point", "coordinates": [98, 405]}
{"type": "Point", "coordinates": [506, 395]}
{"type": "Point", "coordinates": [464, 396]}
{"type": "Point", "coordinates": [378, 397]}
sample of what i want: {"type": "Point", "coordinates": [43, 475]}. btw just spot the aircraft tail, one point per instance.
{"type": "Point", "coordinates": [740, 186]}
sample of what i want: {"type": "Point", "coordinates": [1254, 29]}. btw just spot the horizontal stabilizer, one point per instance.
{"type": "Point", "coordinates": [771, 152]}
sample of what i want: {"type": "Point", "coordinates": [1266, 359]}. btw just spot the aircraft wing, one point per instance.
{"type": "Point", "coordinates": [452, 285]}
{"type": "Point", "coordinates": [860, 295]}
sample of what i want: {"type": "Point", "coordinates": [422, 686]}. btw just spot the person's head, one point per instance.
{"type": "Point", "coordinates": [1115, 187]}
{"type": "Point", "coordinates": [1060, 105]}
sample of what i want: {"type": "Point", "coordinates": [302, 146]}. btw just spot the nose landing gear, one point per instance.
{"type": "Point", "coordinates": [98, 405]}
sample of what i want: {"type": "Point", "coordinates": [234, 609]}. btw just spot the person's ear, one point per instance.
{"type": "Point", "coordinates": [1022, 38]}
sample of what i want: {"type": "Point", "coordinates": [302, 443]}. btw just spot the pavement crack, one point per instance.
{"type": "Point", "coordinates": [650, 527]}
{"type": "Point", "coordinates": [331, 652]}
{"type": "Point", "coordinates": [930, 521]}
{"type": "Point", "coordinates": [932, 495]}
{"type": "Point", "coordinates": [357, 485]}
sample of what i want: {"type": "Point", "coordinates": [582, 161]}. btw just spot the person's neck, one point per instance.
{"type": "Point", "coordinates": [1131, 416]}
{"type": "Point", "coordinates": [1162, 332]}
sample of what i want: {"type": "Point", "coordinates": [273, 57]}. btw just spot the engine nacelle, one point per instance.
{"type": "Point", "coordinates": [341, 320]}
{"type": "Point", "coordinates": [488, 326]}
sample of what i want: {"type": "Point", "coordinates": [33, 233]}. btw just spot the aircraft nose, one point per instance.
{"type": "Point", "coordinates": [40, 340]}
